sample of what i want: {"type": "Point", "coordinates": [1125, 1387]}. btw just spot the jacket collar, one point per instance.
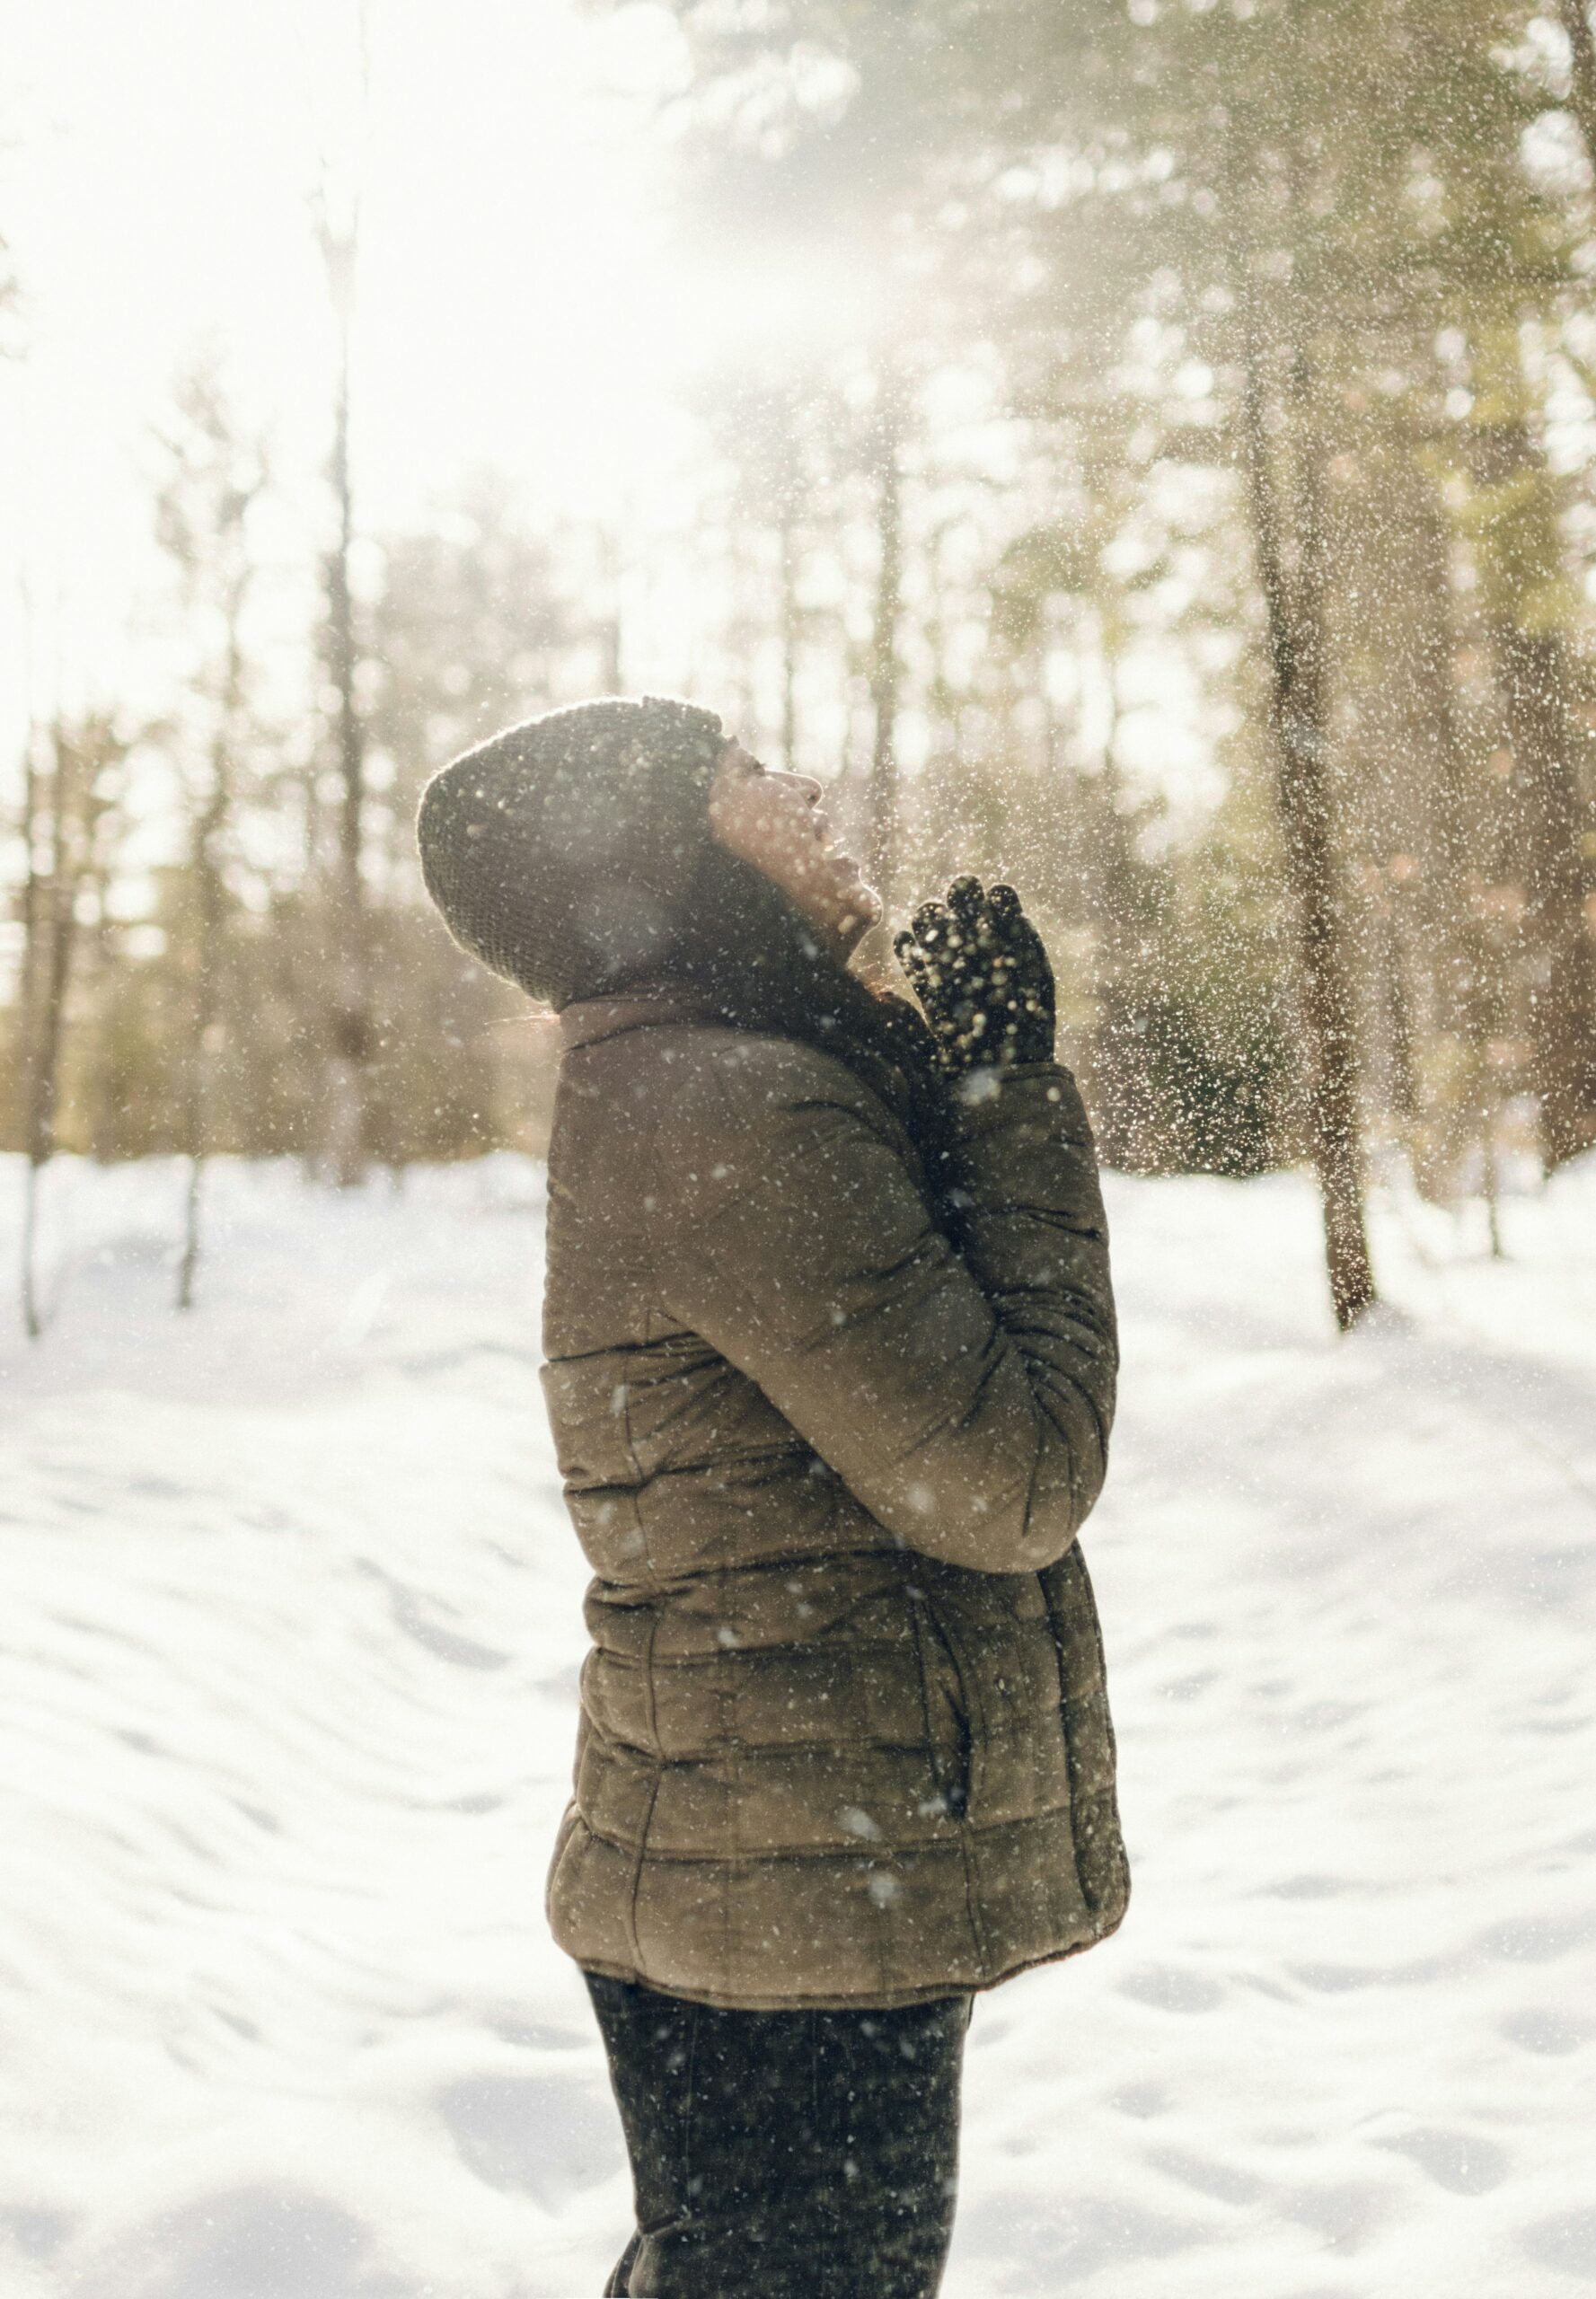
{"type": "Point", "coordinates": [645, 1006]}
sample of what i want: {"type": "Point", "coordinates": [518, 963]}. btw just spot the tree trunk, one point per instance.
{"type": "Point", "coordinates": [48, 970]}
{"type": "Point", "coordinates": [209, 827]}
{"type": "Point", "coordinates": [1467, 967]}
{"type": "Point", "coordinates": [885, 664]}
{"type": "Point", "coordinates": [610, 629]}
{"type": "Point", "coordinates": [786, 543]}
{"type": "Point", "coordinates": [201, 1053]}
{"type": "Point", "coordinates": [35, 884]}
{"type": "Point", "coordinates": [349, 1018]}
{"type": "Point", "coordinates": [1450, 812]}
{"type": "Point", "coordinates": [30, 911]}
{"type": "Point", "coordinates": [1575, 17]}
{"type": "Point", "coordinates": [1538, 679]}
{"type": "Point", "coordinates": [1550, 808]}
{"type": "Point", "coordinates": [1294, 610]}
{"type": "Point", "coordinates": [1399, 1006]}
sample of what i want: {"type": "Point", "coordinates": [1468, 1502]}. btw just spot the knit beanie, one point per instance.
{"type": "Point", "coordinates": [561, 852]}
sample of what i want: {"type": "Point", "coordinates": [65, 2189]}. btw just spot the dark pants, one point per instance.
{"type": "Point", "coordinates": [786, 2154]}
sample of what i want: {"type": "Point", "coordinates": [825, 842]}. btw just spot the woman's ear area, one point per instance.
{"type": "Point", "coordinates": [727, 797]}
{"type": "Point", "coordinates": [728, 770]}
{"type": "Point", "coordinates": [734, 764]}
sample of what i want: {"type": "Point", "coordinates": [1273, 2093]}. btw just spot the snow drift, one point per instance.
{"type": "Point", "coordinates": [291, 1630]}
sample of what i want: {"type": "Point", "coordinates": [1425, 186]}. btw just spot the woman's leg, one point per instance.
{"type": "Point", "coordinates": [794, 2154]}
{"type": "Point", "coordinates": [888, 2107]}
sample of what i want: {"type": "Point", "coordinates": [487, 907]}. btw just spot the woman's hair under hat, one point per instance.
{"type": "Point", "coordinates": [561, 851]}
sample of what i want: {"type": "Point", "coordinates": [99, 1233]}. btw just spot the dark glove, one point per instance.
{"type": "Point", "coordinates": [977, 966]}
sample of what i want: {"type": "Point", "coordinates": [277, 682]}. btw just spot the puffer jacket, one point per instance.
{"type": "Point", "coordinates": [844, 1736]}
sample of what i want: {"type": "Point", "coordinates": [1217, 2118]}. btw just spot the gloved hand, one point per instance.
{"type": "Point", "coordinates": [978, 967]}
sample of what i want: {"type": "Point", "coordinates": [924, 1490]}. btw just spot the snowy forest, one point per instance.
{"type": "Point", "coordinates": [1142, 449]}
{"type": "Point", "coordinates": [1197, 527]}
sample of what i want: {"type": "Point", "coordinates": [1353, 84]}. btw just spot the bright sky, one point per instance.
{"type": "Point", "coordinates": [519, 302]}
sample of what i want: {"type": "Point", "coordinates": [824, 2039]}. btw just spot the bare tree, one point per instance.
{"type": "Point", "coordinates": [1519, 548]}
{"type": "Point", "coordinates": [216, 471]}
{"type": "Point", "coordinates": [1469, 1003]}
{"type": "Point", "coordinates": [1283, 444]}
{"type": "Point", "coordinates": [66, 805]}
{"type": "Point", "coordinates": [338, 230]}
{"type": "Point", "coordinates": [881, 790]}
{"type": "Point", "coordinates": [612, 629]}
{"type": "Point", "coordinates": [1575, 15]}
{"type": "Point", "coordinates": [778, 432]}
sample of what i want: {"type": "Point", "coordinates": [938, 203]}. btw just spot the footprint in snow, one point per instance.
{"type": "Point", "coordinates": [1168, 1989]}
{"type": "Point", "coordinates": [540, 2136]}
{"type": "Point", "coordinates": [1567, 2241]}
{"type": "Point", "coordinates": [260, 2241]}
{"type": "Point", "coordinates": [1547, 2030]}
{"type": "Point", "coordinates": [1454, 2159]}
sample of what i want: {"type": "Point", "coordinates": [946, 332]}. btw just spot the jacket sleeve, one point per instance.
{"type": "Point", "coordinates": [964, 1397]}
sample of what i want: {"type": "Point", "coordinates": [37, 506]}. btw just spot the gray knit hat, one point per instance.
{"type": "Point", "coordinates": [561, 852]}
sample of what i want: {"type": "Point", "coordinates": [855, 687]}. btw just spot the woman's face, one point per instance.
{"type": "Point", "coordinates": [776, 822]}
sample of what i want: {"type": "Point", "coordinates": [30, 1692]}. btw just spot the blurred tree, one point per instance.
{"type": "Point", "coordinates": [1219, 109]}
{"type": "Point", "coordinates": [349, 1017]}
{"type": "Point", "coordinates": [214, 473]}
{"type": "Point", "coordinates": [770, 423]}
{"type": "Point", "coordinates": [1292, 200]}
{"type": "Point", "coordinates": [1574, 16]}
{"type": "Point", "coordinates": [804, 166]}
{"type": "Point", "coordinates": [1174, 958]}
{"type": "Point", "coordinates": [1532, 607]}
{"type": "Point", "coordinates": [67, 817]}
{"type": "Point", "coordinates": [471, 629]}
{"type": "Point", "coordinates": [886, 666]}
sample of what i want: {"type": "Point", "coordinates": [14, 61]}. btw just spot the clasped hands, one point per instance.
{"type": "Point", "coordinates": [980, 971]}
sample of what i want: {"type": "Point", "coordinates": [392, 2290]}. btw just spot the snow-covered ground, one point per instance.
{"type": "Point", "coordinates": [287, 1658]}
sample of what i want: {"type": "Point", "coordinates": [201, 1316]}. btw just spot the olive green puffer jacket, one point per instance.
{"type": "Point", "coordinates": [845, 1737]}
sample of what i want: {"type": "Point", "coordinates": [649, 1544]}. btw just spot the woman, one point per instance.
{"type": "Point", "coordinates": [830, 1359]}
